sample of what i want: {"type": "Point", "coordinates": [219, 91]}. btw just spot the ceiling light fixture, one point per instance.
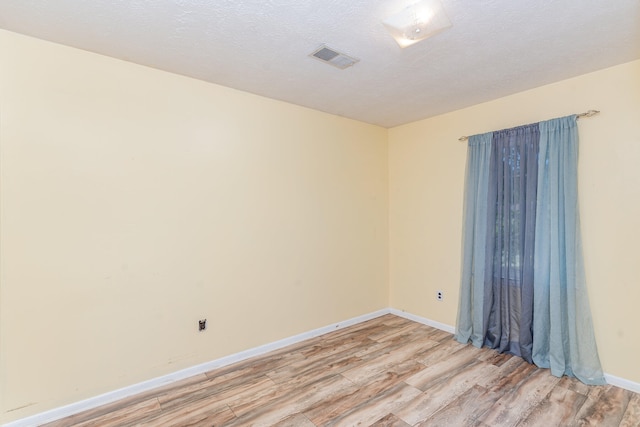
{"type": "Point", "coordinates": [417, 22]}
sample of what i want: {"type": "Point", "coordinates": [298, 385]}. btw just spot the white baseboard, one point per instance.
{"type": "Point", "coordinates": [622, 383]}
{"type": "Point", "coordinates": [423, 320]}
{"type": "Point", "coordinates": [103, 399]}
{"type": "Point", "coordinates": [112, 396]}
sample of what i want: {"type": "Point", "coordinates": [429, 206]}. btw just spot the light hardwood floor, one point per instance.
{"type": "Point", "coordinates": [385, 372]}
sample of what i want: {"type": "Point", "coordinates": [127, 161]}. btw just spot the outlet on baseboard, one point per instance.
{"type": "Point", "coordinates": [439, 295]}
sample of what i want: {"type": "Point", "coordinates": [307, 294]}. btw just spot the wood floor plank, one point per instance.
{"type": "Point", "coordinates": [424, 334]}
{"type": "Point", "coordinates": [125, 415]}
{"type": "Point", "coordinates": [390, 420]}
{"type": "Point", "coordinates": [445, 368]}
{"type": "Point", "coordinates": [384, 362]}
{"type": "Point", "coordinates": [388, 371]}
{"type": "Point", "coordinates": [271, 411]}
{"type": "Point", "coordinates": [463, 411]}
{"type": "Point", "coordinates": [224, 392]}
{"type": "Point", "coordinates": [441, 392]}
{"type": "Point", "coordinates": [631, 417]}
{"type": "Point", "coordinates": [440, 335]}
{"type": "Point", "coordinates": [335, 358]}
{"type": "Point", "coordinates": [606, 410]}
{"type": "Point", "coordinates": [500, 376]}
{"type": "Point", "coordinates": [393, 333]}
{"type": "Point", "coordinates": [295, 420]}
{"type": "Point", "coordinates": [574, 384]}
{"type": "Point", "coordinates": [596, 391]}
{"type": "Point", "coordinates": [253, 397]}
{"type": "Point", "coordinates": [509, 376]}
{"type": "Point", "coordinates": [366, 329]}
{"type": "Point", "coordinates": [340, 403]}
{"type": "Point", "coordinates": [558, 409]}
{"type": "Point", "coordinates": [202, 413]}
{"type": "Point", "coordinates": [90, 414]}
{"type": "Point", "coordinates": [493, 357]}
{"type": "Point", "coordinates": [369, 411]}
{"type": "Point", "coordinates": [516, 405]}
{"type": "Point", "coordinates": [392, 320]}
{"type": "Point", "coordinates": [442, 351]}
{"type": "Point", "coordinates": [260, 365]}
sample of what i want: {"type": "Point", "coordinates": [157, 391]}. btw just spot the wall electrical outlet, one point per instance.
{"type": "Point", "coordinates": [439, 296]}
{"type": "Point", "coordinates": [202, 324]}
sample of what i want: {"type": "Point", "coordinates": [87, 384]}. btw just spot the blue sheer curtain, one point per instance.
{"type": "Point", "coordinates": [563, 333]}
{"type": "Point", "coordinates": [522, 287]}
{"type": "Point", "coordinates": [470, 324]}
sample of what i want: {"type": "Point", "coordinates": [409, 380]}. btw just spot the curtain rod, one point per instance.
{"type": "Point", "coordinates": [588, 113]}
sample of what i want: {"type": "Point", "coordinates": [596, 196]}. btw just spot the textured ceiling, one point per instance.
{"type": "Point", "coordinates": [494, 48]}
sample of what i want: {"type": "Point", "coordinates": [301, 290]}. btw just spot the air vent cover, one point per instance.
{"type": "Point", "coordinates": [333, 57]}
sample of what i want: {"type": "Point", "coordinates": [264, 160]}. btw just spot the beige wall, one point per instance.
{"type": "Point", "coordinates": [135, 202]}
{"type": "Point", "coordinates": [426, 172]}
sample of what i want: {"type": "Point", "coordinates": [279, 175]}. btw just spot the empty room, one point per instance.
{"type": "Point", "coordinates": [319, 213]}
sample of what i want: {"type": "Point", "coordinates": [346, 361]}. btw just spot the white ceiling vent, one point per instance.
{"type": "Point", "coordinates": [333, 57]}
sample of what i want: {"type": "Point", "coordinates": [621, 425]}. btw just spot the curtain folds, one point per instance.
{"type": "Point", "coordinates": [511, 214]}
{"type": "Point", "coordinates": [563, 333]}
{"type": "Point", "coordinates": [522, 285]}
{"type": "Point", "coordinates": [470, 324]}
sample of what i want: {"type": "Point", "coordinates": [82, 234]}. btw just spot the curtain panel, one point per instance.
{"type": "Point", "coordinates": [522, 287]}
